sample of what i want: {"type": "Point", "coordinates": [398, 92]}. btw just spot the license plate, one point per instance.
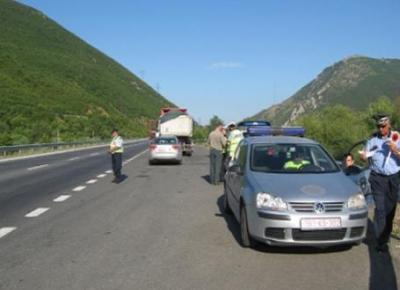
{"type": "Point", "coordinates": [320, 223]}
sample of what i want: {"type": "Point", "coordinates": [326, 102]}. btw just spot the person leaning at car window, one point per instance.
{"type": "Point", "coordinates": [296, 162]}
{"type": "Point", "coordinates": [349, 166]}
{"type": "Point", "coordinates": [383, 153]}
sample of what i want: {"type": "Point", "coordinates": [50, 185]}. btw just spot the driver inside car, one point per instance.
{"type": "Point", "coordinates": [297, 161]}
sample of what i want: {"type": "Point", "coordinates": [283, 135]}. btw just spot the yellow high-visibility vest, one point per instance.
{"type": "Point", "coordinates": [234, 138]}
{"type": "Point", "coordinates": [295, 165]}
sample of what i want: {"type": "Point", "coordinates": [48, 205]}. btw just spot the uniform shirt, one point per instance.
{"type": "Point", "coordinates": [217, 140]}
{"type": "Point", "coordinates": [234, 138]}
{"type": "Point", "coordinates": [117, 142]}
{"type": "Point", "coordinates": [383, 161]}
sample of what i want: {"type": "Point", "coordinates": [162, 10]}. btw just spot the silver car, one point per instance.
{"type": "Point", "coordinates": [165, 148]}
{"type": "Point", "coordinates": [287, 190]}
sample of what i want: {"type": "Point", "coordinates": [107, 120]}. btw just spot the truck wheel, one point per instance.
{"type": "Point", "coordinates": [246, 240]}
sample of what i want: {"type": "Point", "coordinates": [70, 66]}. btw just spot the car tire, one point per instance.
{"type": "Point", "coordinates": [225, 204]}
{"type": "Point", "coordinates": [151, 162]}
{"type": "Point", "coordinates": [246, 240]}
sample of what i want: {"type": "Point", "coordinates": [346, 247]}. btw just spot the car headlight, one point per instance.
{"type": "Point", "coordinates": [356, 201]}
{"type": "Point", "coordinates": [271, 202]}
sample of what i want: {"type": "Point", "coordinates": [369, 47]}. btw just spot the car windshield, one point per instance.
{"type": "Point", "coordinates": [291, 158]}
{"type": "Point", "coordinates": [165, 141]}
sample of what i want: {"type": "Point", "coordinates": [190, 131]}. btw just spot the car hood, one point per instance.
{"type": "Point", "coordinates": [324, 187]}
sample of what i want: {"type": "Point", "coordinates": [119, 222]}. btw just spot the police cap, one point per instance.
{"type": "Point", "coordinates": [381, 118]}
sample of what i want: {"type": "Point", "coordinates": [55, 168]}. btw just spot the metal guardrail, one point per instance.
{"type": "Point", "coordinates": [20, 149]}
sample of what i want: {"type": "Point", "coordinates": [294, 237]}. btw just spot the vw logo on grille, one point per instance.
{"type": "Point", "coordinates": [319, 207]}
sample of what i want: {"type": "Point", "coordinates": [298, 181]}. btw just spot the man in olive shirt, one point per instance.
{"type": "Point", "coordinates": [217, 142]}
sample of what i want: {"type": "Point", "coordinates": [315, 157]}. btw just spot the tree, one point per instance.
{"type": "Point", "coordinates": [214, 122]}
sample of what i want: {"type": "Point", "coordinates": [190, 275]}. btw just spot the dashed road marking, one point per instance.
{"type": "Point", "coordinates": [79, 188]}
{"type": "Point", "coordinates": [38, 167]}
{"type": "Point", "coordinates": [37, 212]}
{"type": "Point", "coordinates": [94, 154]}
{"type": "Point", "coordinates": [91, 181]}
{"type": "Point", "coordinates": [61, 198]}
{"type": "Point", "coordinates": [109, 171]}
{"type": "Point", "coordinates": [101, 175]}
{"type": "Point", "coordinates": [74, 158]}
{"type": "Point", "coordinates": [6, 230]}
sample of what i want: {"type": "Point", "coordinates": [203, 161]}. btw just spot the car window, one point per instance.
{"type": "Point", "coordinates": [165, 141]}
{"type": "Point", "coordinates": [291, 158]}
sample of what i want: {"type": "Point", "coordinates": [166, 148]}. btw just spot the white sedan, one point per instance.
{"type": "Point", "coordinates": [165, 148]}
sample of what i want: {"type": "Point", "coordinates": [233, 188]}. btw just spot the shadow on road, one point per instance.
{"type": "Point", "coordinates": [382, 273]}
{"type": "Point", "coordinates": [234, 227]}
{"type": "Point", "coordinates": [207, 178]}
{"type": "Point", "coordinates": [122, 179]}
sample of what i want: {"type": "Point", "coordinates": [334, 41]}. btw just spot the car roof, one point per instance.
{"type": "Point", "coordinates": [279, 139]}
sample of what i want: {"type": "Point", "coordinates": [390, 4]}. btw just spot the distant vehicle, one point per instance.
{"type": "Point", "coordinates": [176, 121]}
{"type": "Point", "coordinates": [287, 190]}
{"type": "Point", "coordinates": [165, 148]}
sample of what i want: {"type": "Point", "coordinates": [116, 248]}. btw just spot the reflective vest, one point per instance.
{"type": "Point", "coordinates": [234, 138]}
{"type": "Point", "coordinates": [295, 165]}
{"type": "Point", "coordinates": [117, 142]}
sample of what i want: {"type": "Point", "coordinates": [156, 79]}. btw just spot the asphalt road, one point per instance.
{"type": "Point", "coordinates": [161, 228]}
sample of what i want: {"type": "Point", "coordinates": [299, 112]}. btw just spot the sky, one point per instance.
{"type": "Point", "coordinates": [230, 58]}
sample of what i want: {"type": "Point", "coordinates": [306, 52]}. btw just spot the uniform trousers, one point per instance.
{"type": "Point", "coordinates": [116, 161]}
{"type": "Point", "coordinates": [384, 191]}
{"type": "Point", "coordinates": [215, 165]}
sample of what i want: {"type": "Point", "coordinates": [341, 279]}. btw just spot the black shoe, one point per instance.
{"type": "Point", "coordinates": [382, 248]}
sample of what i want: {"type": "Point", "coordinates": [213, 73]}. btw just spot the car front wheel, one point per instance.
{"type": "Point", "coordinates": [226, 207]}
{"type": "Point", "coordinates": [246, 239]}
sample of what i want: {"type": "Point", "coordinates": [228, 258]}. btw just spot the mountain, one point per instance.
{"type": "Point", "coordinates": [55, 86]}
{"type": "Point", "coordinates": [354, 82]}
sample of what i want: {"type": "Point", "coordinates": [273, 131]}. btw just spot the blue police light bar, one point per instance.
{"type": "Point", "coordinates": [274, 131]}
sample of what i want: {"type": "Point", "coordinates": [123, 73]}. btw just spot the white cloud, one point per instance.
{"type": "Point", "coordinates": [225, 65]}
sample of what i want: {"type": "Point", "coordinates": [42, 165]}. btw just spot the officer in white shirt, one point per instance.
{"type": "Point", "coordinates": [116, 150]}
{"type": "Point", "coordinates": [383, 154]}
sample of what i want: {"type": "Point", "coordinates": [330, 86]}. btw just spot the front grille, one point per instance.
{"type": "Point", "coordinates": [309, 206]}
{"type": "Point", "coordinates": [320, 235]}
{"type": "Point", "coordinates": [356, 232]}
{"type": "Point", "coordinates": [275, 233]}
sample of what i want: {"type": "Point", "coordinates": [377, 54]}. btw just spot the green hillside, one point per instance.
{"type": "Point", "coordinates": [54, 86]}
{"type": "Point", "coordinates": [354, 82]}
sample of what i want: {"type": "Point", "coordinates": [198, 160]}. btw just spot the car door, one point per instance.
{"type": "Point", "coordinates": [237, 175]}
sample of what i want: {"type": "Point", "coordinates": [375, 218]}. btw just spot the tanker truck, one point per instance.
{"type": "Point", "coordinates": [177, 122]}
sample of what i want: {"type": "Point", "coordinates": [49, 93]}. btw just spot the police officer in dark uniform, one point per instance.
{"type": "Point", "coordinates": [383, 152]}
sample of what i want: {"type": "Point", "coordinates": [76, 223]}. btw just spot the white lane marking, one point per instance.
{"type": "Point", "coordinates": [6, 230]}
{"type": "Point", "coordinates": [101, 175]}
{"type": "Point", "coordinates": [73, 158]}
{"type": "Point", "coordinates": [94, 154]}
{"type": "Point", "coordinates": [109, 171]}
{"type": "Point", "coordinates": [61, 198]}
{"type": "Point", "coordinates": [79, 188]}
{"type": "Point", "coordinates": [37, 167]}
{"type": "Point", "coordinates": [134, 157]}
{"type": "Point", "coordinates": [37, 212]}
{"type": "Point", "coordinates": [91, 181]}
